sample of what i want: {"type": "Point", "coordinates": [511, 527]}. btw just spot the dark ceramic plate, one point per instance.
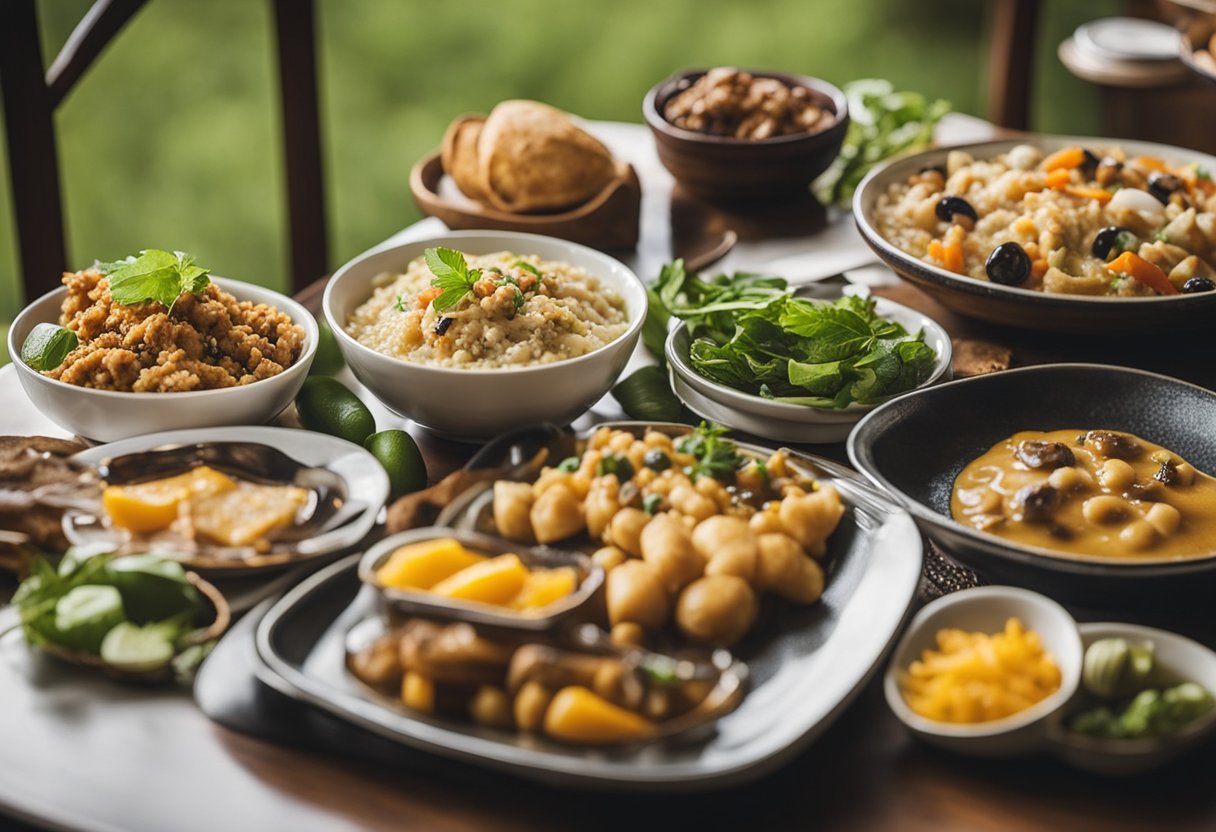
{"type": "Point", "coordinates": [915, 446]}
{"type": "Point", "coordinates": [1013, 305]}
{"type": "Point", "coordinates": [806, 663]}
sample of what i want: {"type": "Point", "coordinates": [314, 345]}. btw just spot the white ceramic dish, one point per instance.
{"type": "Point", "coordinates": [985, 609]}
{"type": "Point", "coordinates": [365, 478]}
{"type": "Point", "coordinates": [782, 421]}
{"type": "Point", "coordinates": [1178, 659]}
{"type": "Point", "coordinates": [1128, 38]}
{"type": "Point", "coordinates": [477, 404]}
{"type": "Point", "coordinates": [109, 415]}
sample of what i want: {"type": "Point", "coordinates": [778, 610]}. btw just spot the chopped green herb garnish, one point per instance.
{"type": "Point", "coordinates": [1161, 236]}
{"type": "Point", "coordinates": [651, 503]}
{"type": "Point", "coordinates": [716, 456]}
{"type": "Point", "coordinates": [526, 266]}
{"type": "Point", "coordinates": [519, 299]}
{"type": "Point", "coordinates": [162, 276]}
{"type": "Point", "coordinates": [569, 464]}
{"type": "Point", "coordinates": [452, 274]}
{"type": "Point", "coordinates": [399, 304]}
{"type": "Point", "coordinates": [1125, 241]}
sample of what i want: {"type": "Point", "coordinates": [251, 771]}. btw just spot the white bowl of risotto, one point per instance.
{"type": "Point", "coordinates": [538, 331]}
{"type": "Point", "coordinates": [155, 377]}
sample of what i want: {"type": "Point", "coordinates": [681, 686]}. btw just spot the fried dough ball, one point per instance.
{"type": "Point", "coordinates": [728, 546]}
{"type": "Point", "coordinates": [716, 609]}
{"type": "Point", "coordinates": [634, 592]}
{"type": "Point", "coordinates": [556, 514]}
{"type": "Point", "coordinates": [784, 569]}
{"type": "Point", "coordinates": [512, 508]}
{"type": "Point", "coordinates": [603, 502]}
{"type": "Point", "coordinates": [625, 530]}
{"type": "Point", "coordinates": [811, 518]}
{"type": "Point", "coordinates": [667, 545]}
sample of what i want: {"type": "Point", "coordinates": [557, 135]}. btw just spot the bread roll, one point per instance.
{"type": "Point", "coordinates": [460, 155]}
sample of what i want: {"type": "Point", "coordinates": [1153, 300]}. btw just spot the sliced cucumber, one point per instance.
{"type": "Point", "coordinates": [137, 649]}
{"type": "Point", "coordinates": [153, 588]}
{"type": "Point", "coordinates": [85, 614]}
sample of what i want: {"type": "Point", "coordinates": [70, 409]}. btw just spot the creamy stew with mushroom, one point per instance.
{"type": "Point", "coordinates": [1097, 492]}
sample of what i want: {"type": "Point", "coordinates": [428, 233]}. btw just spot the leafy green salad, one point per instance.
{"type": "Point", "coordinates": [136, 613]}
{"type": "Point", "coordinates": [751, 333]}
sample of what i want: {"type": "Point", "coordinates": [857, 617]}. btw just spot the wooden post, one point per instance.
{"type": "Point", "coordinates": [29, 112]}
{"type": "Point", "coordinates": [295, 26]}
{"type": "Point", "coordinates": [1011, 62]}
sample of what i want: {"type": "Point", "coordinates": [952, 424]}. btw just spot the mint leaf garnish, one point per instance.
{"type": "Point", "coordinates": [158, 275]}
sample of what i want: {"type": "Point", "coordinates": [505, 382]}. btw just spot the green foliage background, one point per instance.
{"type": "Point", "coordinates": [172, 140]}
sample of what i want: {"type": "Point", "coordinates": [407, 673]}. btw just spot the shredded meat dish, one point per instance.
{"type": "Point", "coordinates": [209, 340]}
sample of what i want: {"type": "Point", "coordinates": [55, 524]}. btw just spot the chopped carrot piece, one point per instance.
{"type": "Point", "coordinates": [936, 251]}
{"type": "Point", "coordinates": [952, 257]}
{"type": "Point", "coordinates": [1135, 266]}
{"type": "Point", "coordinates": [1066, 159]}
{"type": "Point", "coordinates": [1099, 194]}
{"type": "Point", "coordinates": [1058, 178]}
{"type": "Point", "coordinates": [1151, 162]}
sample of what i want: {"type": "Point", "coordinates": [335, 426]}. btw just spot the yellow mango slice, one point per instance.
{"type": "Point", "coordinates": [422, 565]}
{"type": "Point", "coordinates": [245, 515]}
{"type": "Point", "coordinates": [153, 505]}
{"type": "Point", "coordinates": [418, 692]}
{"type": "Point", "coordinates": [495, 581]}
{"type": "Point", "coordinates": [576, 714]}
{"type": "Point", "coordinates": [544, 586]}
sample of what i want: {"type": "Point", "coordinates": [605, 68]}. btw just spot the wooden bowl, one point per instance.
{"type": "Point", "coordinates": [725, 168]}
{"type": "Point", "coordinates": [217, 627]}
{"type": "Point", "coordinates": [609, 220]}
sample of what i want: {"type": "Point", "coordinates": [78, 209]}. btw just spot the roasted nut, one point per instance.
{"type": "Point", "coordinates": [1110, 444]}
{"type": "Point", "coordinates": [1035, 453]}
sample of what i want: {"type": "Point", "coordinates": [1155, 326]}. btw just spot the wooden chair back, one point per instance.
{"type": "Point", "coordinates": [32, 95]}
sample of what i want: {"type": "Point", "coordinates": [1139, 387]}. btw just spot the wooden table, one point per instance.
{"type": "Point", "coordinates": [78, 751]}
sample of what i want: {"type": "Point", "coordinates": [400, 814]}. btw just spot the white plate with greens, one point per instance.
{"type": "Point", "coordinates": [726, 380]}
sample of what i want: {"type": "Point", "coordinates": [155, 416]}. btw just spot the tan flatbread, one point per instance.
{"type": "Point", "coordinates": [460, 155]}
{"type": "Point", "coordinates": [533, 158]}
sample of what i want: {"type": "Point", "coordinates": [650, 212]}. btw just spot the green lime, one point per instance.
{"type": "Point", "coordinates": [328, 360]}
{"type": "Point", "coordinates": [86, 614]}
{"type": "Point", "coordinates": [47, 345]}
{"type": "Point", "coordinates": [137, 649]}
{"type": "Point", "coordinates": [326, 405]}
{"type": "Point", "coordinates": [399, 455]}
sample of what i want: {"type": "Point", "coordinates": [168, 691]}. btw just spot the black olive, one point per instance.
{"type": "Point", "coordinates": [1113, 445]}
{"type": "Point", "coordinates": [443, 325]}
{"type": "Point", "coordinates": [1008, 265]}
{"type": "Point", "coordinates": [1038, 502]}
{"type": "Point", "coordinates": [656, 460]}
{"type": "Point", "coordinates": [1162, 185]}
{"type": "Point", "coordinates": [951, 205]}
{"type": "Point", "coordinates": [1105, 241]}
{"type": "Point", "coordinates": [1198, 284]}
{"type": "Point", "coordinates": [1036, 453]}
{"type": "Point", "coordinates": [1091, 161]}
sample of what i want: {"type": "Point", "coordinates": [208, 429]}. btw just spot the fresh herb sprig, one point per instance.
{"type": "Point", "coordinates": [162, 276]}
{"type": "Point", "coordinates": [451, 274]}
{"type": "Point", "coordinates": [715, 455]}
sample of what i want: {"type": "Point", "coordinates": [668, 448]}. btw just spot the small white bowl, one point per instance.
{"type": "Point", "coordinates": [1177, 659]}
{"type": "Point", "coordinates": [782, 421]}
{"type": "Point", "coordinates": [473, 403]}
{"type": "Point", "coordinates": [110, 415]}
{"type": "Point", "coordinates": [985, 609]}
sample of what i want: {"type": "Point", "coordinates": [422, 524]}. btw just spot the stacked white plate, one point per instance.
{"type": "Point", "coordinates": [1125, 52]}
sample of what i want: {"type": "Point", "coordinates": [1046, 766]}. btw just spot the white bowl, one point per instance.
{"type": "Point", "coordinates": [783, 421]}
{"type": "Point", "coordinates": [475, 403]}
{"type": "Point", "coordinates": [109, 415]}
{"type": "Point", "coordinates": [985, 609]}
{"type": "Point", "coordinates": [1177, 659]}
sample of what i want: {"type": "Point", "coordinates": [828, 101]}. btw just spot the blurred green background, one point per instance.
{"type": "Point", "coordinates": [172, 140]}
